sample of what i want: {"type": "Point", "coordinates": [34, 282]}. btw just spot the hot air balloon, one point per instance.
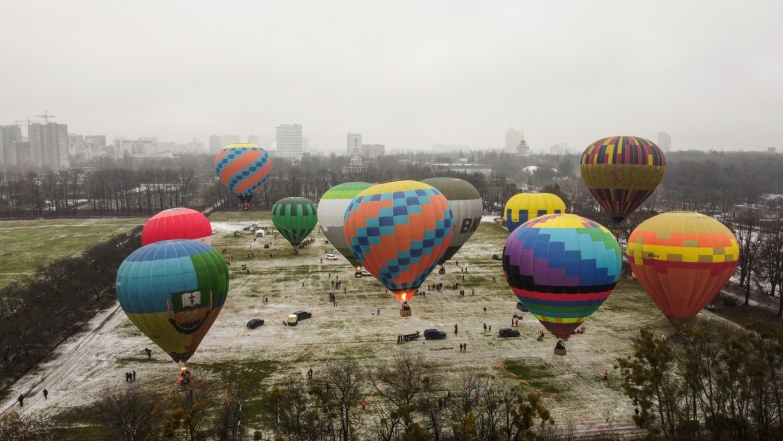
{"type": "Point", "coordinates": [399, 231]}
{"type": "Point", "coordinates": [621, 172]}
{"type": "Point", "coordinates": [173, 291]}
{"type": "Point", "coordinates": [177, 223]}
{"type": "Point", "coordinates": [243, 168]}
{"type": "Point", "coordinates": [466, 208]}
{"type": "Point", "coordinates": [682, 259]}
{"type": "Point", "coordinates": [295, 218]}
{"type": "Point", "coordinates": [561, 267]}
{"type": "Point", "coordinates": [331, 213]}
{"type": "Point", "coordinates": [523, 207]}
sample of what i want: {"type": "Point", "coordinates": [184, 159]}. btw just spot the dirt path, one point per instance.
{"type": "Point", "coordinates": [67, 363]}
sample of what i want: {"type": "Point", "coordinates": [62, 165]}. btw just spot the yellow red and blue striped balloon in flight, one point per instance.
{"type": "Point", "coordinates": [621, 172]}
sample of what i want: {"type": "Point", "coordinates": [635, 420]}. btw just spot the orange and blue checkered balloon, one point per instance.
{"type": "Point", "coordinates": [562, 267]}
{"type": "Point", "coordinates": [399, 231]}
{"type": "Point", "coordinates": [243, 168]}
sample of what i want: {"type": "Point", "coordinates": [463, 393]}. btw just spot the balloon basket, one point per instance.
{"type": "Point", "coordinates": [560, 352]}
{"type": "Point", "coordinates": [442, 271]}
{"type": "Point", "coordinates": [405, 310]}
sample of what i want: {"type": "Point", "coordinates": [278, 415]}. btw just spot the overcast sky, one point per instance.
{"type": "Point", "coordinates": [407, 74]}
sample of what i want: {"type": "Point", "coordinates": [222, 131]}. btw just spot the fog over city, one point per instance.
{"type": "Point", "coordinates": [404, 74]}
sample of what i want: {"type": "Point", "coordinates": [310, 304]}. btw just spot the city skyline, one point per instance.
{"type": "Point", "coordinates": [406, 76]}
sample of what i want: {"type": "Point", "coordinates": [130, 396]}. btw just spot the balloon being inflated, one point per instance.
{"type": "Point", "coordinates": [177, 223]}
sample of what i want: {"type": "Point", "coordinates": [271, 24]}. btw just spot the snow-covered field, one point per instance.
{"type": "Point", "coordinates": [95, 359]}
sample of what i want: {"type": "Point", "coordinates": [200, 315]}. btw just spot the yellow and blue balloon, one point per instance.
{"type": "Point", "coordinates": [173, 291]}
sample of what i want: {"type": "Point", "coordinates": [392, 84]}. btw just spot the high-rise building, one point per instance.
{"type": "Point", "coordinates": [214, 144]}
{"type": "Point", "coordinates": [49, 145]}
{"type": "Point", "coordinates": [373, 150]}
{"type": "Point", "coordinates": [22, 152]}
{"type": "Point", "coordinates": [513, 137]}
{"type": "Point", "coordinates": [354, 142]}
{"type": "Point", "coordinates": [95, 145]}
{"type": "Point", "coordinates": [289, 140]}
{"type": "Point", "coordinates": [664, 141]}
{"type": "Point", "coordinates": [197, 146]}
{"type": "Point", "coordinates": [8, 136]}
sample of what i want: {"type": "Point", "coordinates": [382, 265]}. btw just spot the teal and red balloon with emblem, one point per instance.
{"type": "Point", "coordinates": [243, 168]}
{"type": "Point", "coordinates": [561, 267]}
{"type": "Point", "coordinates": [173, 291]}
{"type": "Point", "coordinates": [399, 231]}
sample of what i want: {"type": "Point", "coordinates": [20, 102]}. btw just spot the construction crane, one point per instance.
{"type": "Point", "coordinates": [20, 122]}
{"type": "Point", "coordinates": [45, 116]}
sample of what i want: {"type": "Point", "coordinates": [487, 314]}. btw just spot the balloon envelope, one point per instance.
{"type": "Point", "coordinates": [561, 267]}
{"type": "Point", "coordinates": [682, 259]}
{"type": "Point", "coordinates": [243, 168]}
{"type": "Point", "coordinates": [173, 291]}
{"type": "Point", "coordinates": [621, 172]}
{"type": "Point", "coordinates": [466, 208]}
{"type": "Point", "coordinates": [295, 218]}
{"type": "Point", "coordinates": [399, 231]}
{"type": "Point", "coordinates": [331, 213]}
{"type": "Point", "coordinates": [523, 207]}
{"type": "Point", "coordinates": [177, 223]}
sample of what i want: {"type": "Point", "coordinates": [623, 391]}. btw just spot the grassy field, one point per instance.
{"type": "Point", "coordinates": [26, 244]}
{"type": "Point", "coordinates": [363, 327]}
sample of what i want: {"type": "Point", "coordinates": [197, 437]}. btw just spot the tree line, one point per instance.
{"type": "Point", "coordinates": [709, 381]}
{"type": "Point", "coordinates": [408, 400]}
{"type": "Point", "coordinates": [39, 310]}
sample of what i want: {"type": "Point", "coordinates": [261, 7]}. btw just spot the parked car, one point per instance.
{"type": "Point", "coordinates": [366, 273]}
{"type": "Point", "coordinates": [302, 315]}
{"type": "Point", "coordinates": [254, 323]}
{"type": "Point", "coordinates": [331, 257]}
{"type": "Point", "coordinates": [293, 320]}
{"type": "Point", "coordinates": [433, 334]}
{"type": "Point", "coordinates": [508, 332]}
{"type": "Point", "coordinates": [521, 307]}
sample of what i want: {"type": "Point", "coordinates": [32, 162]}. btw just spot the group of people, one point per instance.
{"type": "Point", "coordinates": [463, 347]}
{"type": "Point", "coordinates": [485, 326]}
{"type": "Point", "coordinates": [21, 397]}
{"type": "Point", "coordinates": [130, 376]}
{"type": "Point", "coordinates": [515, 321]}
{"type": "Point", "coordinates": [435, 287]}
{"type": "Point", "coordinates": [333, 299]}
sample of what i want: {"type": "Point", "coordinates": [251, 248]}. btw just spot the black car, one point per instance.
{"type": "Point", "coordinates": [303, 315]}
{"type": "Point", "coordinates": [521, 307]}
{"type": "Point", "coordinates": [508, 332]}
{"type": "Point", "coordinates": [253, 324]}
{"type": "Point", "coordinates": [433, 334]}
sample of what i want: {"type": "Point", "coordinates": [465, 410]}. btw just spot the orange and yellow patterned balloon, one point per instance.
{"type": "Point", "coordinates": [682, 259]}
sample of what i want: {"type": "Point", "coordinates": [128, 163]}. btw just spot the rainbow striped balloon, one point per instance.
{"type": "Point", "coordinates": [243, 168]}
{"type": "Point", "coordinates": [399, 231]}
{"type": "Point", "coordinates": [561, 267]}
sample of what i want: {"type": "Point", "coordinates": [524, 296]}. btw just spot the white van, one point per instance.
{"type": "Point", "coordinates": [259, 233]}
